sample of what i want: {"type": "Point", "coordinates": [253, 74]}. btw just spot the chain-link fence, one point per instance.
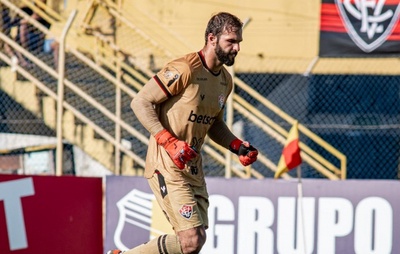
{"type": "Point", "coordinates": [96, 115]}
{"type": "Point", "coordinates": [357, 114]}
{"type": "Point", "coordinates": [36, 160]}
{"type": "Point", "coordinates": [16, 27]}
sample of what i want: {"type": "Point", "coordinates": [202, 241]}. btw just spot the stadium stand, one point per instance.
{"type": "Point", "coordinates": [112, 48]}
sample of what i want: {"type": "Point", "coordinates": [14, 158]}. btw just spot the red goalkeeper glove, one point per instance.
{"type": "Point", "coordinates": [246, 152]}
{"type": "Point", "coordinates": [179, 151]}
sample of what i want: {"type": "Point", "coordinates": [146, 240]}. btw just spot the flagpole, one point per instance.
{"type": "Point", "coordinates": [300, 204]}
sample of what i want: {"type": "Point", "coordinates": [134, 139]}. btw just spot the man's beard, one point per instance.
{"type": "Point", "coordinates": [223, 57]}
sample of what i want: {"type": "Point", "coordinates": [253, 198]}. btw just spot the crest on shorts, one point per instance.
{"type": "Point", "coordinates": [171, 75]}
{"type": "Point", "coordinates": [186, 211]}
{"type": "Point", "coordinates": [369, 23]}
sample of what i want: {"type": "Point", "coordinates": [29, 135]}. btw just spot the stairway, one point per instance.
{"type": "Point", "coordinates": [101, 78]}
{"type": "Point", "coordinates": [42, 103]}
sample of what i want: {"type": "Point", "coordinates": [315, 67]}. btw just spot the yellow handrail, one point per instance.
{"type": "Point", "coordinates": [267, 125]}
{"type": "Point", "coordinates": [310, 156]}
{"type": "Point", "coordinates": [329, 166]}
{"type": "Point", "coordinates": [44, 11]}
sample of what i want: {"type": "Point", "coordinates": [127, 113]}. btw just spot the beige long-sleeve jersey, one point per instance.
{"type": "Point", "coordinates": [188, 100]}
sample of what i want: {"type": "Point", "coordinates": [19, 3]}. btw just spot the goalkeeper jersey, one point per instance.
{"type": "Point", "coordinates": [195, 100]}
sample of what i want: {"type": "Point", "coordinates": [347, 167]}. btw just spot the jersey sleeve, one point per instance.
{"type": "Point", "coordinates": [220, 133]}
{"type": "Point", "coordinates": [174, 77]}
{"type": "Point", "coordinates": [142, 106]}
{"type": "Point", "coordinates": [169, 81]}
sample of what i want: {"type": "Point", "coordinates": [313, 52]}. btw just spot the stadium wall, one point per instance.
{"type": "Point", "coordinates": [40, 214]}
{"type": "Point", "coordinates": [268, 216]}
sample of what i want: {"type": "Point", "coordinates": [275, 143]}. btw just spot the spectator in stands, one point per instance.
{"type": "Point", "coordinates": [52, 46]}
{"type": "Point", "coordinates": [7, 22]}
{"type": "Point", "coordinates": [29, 36]}
{"type": "Point", "coordinates": [23, 28]}
{"type": "Point", "coordinates": [179, 106]}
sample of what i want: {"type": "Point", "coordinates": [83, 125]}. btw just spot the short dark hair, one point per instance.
{"type": "Point", "coordinates": [221, 21]}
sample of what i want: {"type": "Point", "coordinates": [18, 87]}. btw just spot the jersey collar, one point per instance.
{"type": "Point", "coordinates": [203, 61]}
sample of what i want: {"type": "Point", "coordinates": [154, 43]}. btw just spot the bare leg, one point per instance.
{"type": "Point", "coordinates": [192, 240]}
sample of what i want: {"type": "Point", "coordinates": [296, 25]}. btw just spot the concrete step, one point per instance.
{"type": "Point", "coordinates": [77, 133]}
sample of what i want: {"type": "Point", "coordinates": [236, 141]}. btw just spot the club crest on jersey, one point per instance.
{"type": "Point", "coordinates": [221, 101]}
{"type": "Point", "coordinates": [369, 23]}
{"type": "Point", "coordinates": [186, 211]}
{"type": "Point", "coordinates": [171, 75]}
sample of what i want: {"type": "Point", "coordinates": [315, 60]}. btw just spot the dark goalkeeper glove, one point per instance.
{"type": "Point", "coordinates": [246, 152]}
{"type": "Point", "coordinates": [179, 151]}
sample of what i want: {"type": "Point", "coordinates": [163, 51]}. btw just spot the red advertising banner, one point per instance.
{"type": "Point", "coordinates": [360, 28]}
{"type": "Point", "coordinates": [268, 216]}
{"type": "Point", "coordinates": [48, 214]}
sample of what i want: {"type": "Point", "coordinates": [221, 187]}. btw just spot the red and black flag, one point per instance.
{"type": "Point", "coordinates": [360, 28]}
{"type": "Point", "coordinates": [290, 157]}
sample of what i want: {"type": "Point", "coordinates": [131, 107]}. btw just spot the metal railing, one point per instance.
{"type": "Point", "coordinates": [270, 127]}
{"type": "Point", "coordinates": [67, 83]}
{"type": "Point", "coordinates": [120, 68]}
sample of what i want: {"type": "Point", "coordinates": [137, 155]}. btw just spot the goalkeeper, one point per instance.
{"type": "Point", "coordinates": [179, 106]}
